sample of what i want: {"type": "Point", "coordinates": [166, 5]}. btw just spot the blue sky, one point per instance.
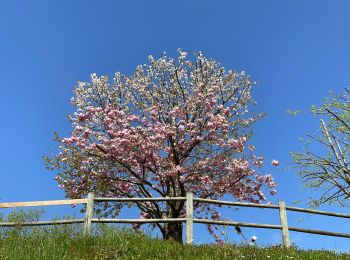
{"type": "Point", "coordinates": [296, 50]}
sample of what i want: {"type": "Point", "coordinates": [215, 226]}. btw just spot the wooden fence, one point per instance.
{"type": "Point", "coordinates": [189, 220]}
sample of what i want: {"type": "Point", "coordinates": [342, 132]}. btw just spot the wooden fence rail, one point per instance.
{"type": "Point", "coordinates": [189, 220]}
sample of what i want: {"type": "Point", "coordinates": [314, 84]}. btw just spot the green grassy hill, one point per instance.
{"type": "Point", "coordinates": [107, 242]}
{"type": "Point", "coordinates": [65, 242]}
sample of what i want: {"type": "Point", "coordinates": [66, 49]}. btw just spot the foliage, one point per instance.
{"type": "Point", "coordinates": [173, 126]}
{"type": "Point", "coordinates": [20, 216]}
{"type": "Point", "coordinates": [324, 164]}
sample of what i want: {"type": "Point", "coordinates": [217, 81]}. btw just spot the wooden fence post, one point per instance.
{"type": "Point", "coordinates": [89, 214]}
{"type": "Point", "coordinates": [189, 218]}
{"type": "Point", "coordinates": [284, 223]}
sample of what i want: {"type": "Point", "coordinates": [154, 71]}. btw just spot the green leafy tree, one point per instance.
{"type": "Point", "coordinates": [324, 163]}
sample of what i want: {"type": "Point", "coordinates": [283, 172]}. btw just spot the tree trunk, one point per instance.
{"type": "Point", "coordinates": [173, 231]}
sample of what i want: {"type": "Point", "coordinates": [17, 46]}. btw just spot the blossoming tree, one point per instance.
{"type": "Point", "coordinates": [174, 126]}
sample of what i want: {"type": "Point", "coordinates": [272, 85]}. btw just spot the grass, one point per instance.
{"type": "Point", "coordinates": [110, 243]}
{"type": "Point", "coordinates": [67, 242]}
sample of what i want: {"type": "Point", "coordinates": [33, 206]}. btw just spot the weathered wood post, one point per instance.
{"type": "Point", "coordinates": [89, 214]}
{"type": "Point", "coordinates": [189, 218]}
{"type": "Point", "coordinates": [284, 223]}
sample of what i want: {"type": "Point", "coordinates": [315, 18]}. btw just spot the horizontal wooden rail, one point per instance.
{"type": "Point", "coordinates": [319, 212]}
{"type": "Point", "coordinates": [41, 223]}
{"type": "Point", "coordinates": [42, 203]}
{"type": "Point", "coordinates": [130, 221]}
{"type": "Point", "coordinates": [268, 226]}
{"type": "Point", "coordinates": [233, 223]}
{"type": "Point", "coordinates": [140, 199]}
{"type": "Point", "coordinates": [240, 204]}
{"type": "Point", "coordinates": [145, 221]}
{"type": "Point", "coordinates": [319, 232]}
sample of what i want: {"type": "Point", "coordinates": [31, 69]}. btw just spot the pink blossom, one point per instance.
{"type": "Point", "coordinates": [275, 163]}
{"type": "Point", "coordinates": [137, 137]}
{"type": "Point", "coordinates": [273, 192]}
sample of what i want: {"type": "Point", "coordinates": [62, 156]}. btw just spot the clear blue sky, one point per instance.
{"type": "Point", "coordinates": [296, 50]}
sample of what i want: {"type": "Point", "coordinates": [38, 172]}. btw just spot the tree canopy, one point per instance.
{"type": "Point", "coordinates": [324, 163]}
{"type": "Point", "coordinates": [173, 126]}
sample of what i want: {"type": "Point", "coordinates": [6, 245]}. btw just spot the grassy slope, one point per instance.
{"type": "Point", "coordinates": [66, 243]}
